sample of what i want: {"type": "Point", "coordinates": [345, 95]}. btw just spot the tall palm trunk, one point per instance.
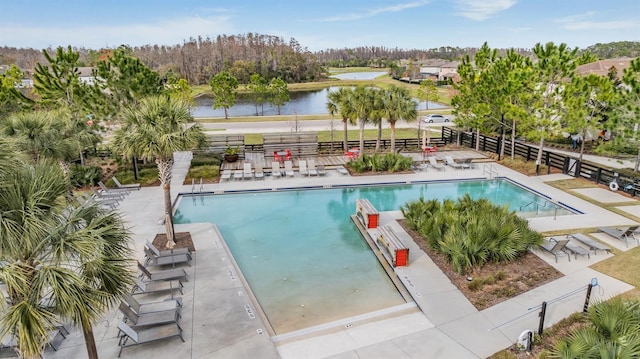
{"type": "Point", "coordinates": [393, 136]}
{"type": "Point", "coordinates": [362, 122]}
{"type": "Point", "coordinates": [165, 167]}
{"type": "Point", "coordinates": [345, 138]}
{"type": "Point", "coordinates": [379, 138]}
{"type": "Point", "coordinates": [89, 339]}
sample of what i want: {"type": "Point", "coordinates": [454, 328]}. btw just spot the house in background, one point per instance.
{"type": "Point", "coordinates": [603, 67]}
{"type": "Point", "coordinates": [86, 75]}
{"type": "Point", "coordinates": [439, 70]}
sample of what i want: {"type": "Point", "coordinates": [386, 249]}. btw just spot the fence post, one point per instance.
{"type": "Point", "coordinates": [586, 300]}
{"type": "Point", "coordinates": [578, 168]}
{"type": "Point", "coordinates": [543, 312]}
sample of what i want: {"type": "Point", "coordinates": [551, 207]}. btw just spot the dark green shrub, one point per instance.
{"type": "Point", "coordinates": [471, 232]}
{"type": "Point", "coordinates": [475, 284]}
{"type": "Point", "coordinates": [206, 159]}
{"type": "Point", "coordinates": [81, 176]}
{"type": "Point", "coordinates": [385, 162]}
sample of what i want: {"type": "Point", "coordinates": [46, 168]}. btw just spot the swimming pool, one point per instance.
{"type": "Point", "coordinates": [304, 259]}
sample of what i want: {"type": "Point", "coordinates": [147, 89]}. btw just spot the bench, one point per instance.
{"type": "Point", "coordinates": [367, 213]}
{"type": "Point", "coordinates": [396, 253]}
{"type": "Point", "coordinates": [301, 144]}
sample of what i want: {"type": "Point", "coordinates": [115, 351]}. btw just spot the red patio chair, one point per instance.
{"type": "Point", "coordinates": [287, 157]}
{"type": "Point", "coordinates": [276, 156]}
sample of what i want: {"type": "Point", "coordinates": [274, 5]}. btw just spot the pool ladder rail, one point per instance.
{"type": "Point", "coordinates": [193, 186]}
{"type": "Point", "coordinates": [490, 171]}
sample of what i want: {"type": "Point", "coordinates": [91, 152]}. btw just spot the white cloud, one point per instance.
{"type": "Point", "coordinates": [167, 32]}
{"type": "Point", "coordinates": [378, 11]}
{"type": "Point", "coordinates": [483, 9]}
{"type": "Point", "coordinates": [582, 22]}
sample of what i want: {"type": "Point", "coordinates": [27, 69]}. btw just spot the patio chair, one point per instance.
{"type": "Point", "coordinates": [152, 258]}
{"type": "Point", "coordinates": [275, 170]}
{"type": "Point", "coordinates": [155, 306]}
{"type": "Point", "coordinates": [112, 203]}
{"type": "Point", "coordinates": [433, 162]}
{"type": "Point", "coordinates": [313, 171]}
{"type": "Point", "coordinates": [140, 287]}
{"type": "Point", "coordinates": [167, 252]}
{"type": "Point", "coordinates": [589, 242]}
{"type": "Point", "coordinates": [343, 171]}
{"type": "Point", "coordinates": [277, 157]}
{"type": "Point", "coordinates": [226, 175]}
{"type": "Point", "coordinates": [624, 234]}
{"type": "Point", "coordinates": [287, 156]}
{"type": "Point", "coordinates": [102, 195]}
{"type": "Point", "coordinates": [288, 169]}
{"type": "Point", "coordinates": [150, 318]}
{"type": "Point", "coordinates": [259, 173]}
{"type": "Point", "coordinates": [556, 247]}
{"type": "Point", "coordinates": [141, 335]}
{"type": "Point", "coordinates": [469, 162]}
{"type": "Point", "coordinates": [247, 172]}
{"type": "Point", "coordinates": [106, 189]}
{"type": "Point", "coordinates": [135, 186]}
{"type": "Point", "coordinates": [451, 162]}
{"type": "Point", "coordinates": [321, 170]}
{"type": "Point", "coordinates": [302, 168]}
{"type": "Point", "coordinates": [167, 274]}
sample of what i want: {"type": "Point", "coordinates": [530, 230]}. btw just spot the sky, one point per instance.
{"type": "Point", "coordinates": [320, 24]}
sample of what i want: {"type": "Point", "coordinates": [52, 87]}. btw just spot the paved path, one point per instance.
{"type": "Point", "coordinates": [221, 321]}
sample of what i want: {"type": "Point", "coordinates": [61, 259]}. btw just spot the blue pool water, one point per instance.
{"type": "Point", "coordinates": [302, 256]}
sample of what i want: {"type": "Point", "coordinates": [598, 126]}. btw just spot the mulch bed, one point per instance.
{"type": "Point", "coordinates": [183, 240]}
{"type": "Point", "coordinates": [499, 281]}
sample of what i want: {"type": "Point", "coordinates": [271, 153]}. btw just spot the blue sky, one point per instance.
{"type": "Point", "coordinates": [320, 24]}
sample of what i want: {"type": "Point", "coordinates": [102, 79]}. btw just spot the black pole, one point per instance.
{"type": "Point", "coordinates": [543, 312]}
{"type": "Point", "coordinates": [135, 168]}
{"type": "Point", "coordinates": [586, 300]}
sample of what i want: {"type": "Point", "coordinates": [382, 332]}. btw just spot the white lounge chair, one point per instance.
{"type": "Point", "coordinates": [302, 168]}
{"type": "Point", "coordinates": [135, 186]}
{"type": "Point", "coordinates": [312, 168]}
{"type": "Point", "coordinates": [106, 189]}
{"type": "Point", "coordinates": [247, 172]}
{"type": "Point", "coordinates": [288, 169]}
{"type": "Point", "coordinates": [321, 170]}
{"type": "Point", "coordinates": [226, 175]}
{"type": "Point", "coordinates": [451, 162]}
{"type": "Point", "coordinates": [259, 173]}
{"type": "Point", "coordinates": [434, 163]}
{"type": "Point", "coordinates": [275, 169]}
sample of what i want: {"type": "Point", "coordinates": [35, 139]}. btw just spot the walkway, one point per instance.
{"type": "Point", "coordinates": [220, 319]}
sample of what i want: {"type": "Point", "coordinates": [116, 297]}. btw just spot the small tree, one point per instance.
{"type": "Point", "coordinates": [224, 87]}
{"type": "Point", "coordinates": [428, 92]}
{"type": "Point", "coordinates": [278, 93]}
{"type": "Point", "coordinates": [259, 91]}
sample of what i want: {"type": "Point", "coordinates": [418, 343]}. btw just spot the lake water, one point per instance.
{"type": "Point", "coordinates": [301, 103]}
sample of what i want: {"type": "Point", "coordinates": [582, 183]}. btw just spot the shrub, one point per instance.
{"type": "Point", "coordinates": [387, 162]}
{"type": "Point", "coordinates": [206, 159]}
{"type": "Point", "coordinates": [475, 284]}
{"type": "Point", "coordinates": [81, 176]}
{"type": "Point", "coordinates": [471, 232]}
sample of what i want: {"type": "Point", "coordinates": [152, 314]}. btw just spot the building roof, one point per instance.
{"type": "Point", "coordinates": [602, 67]}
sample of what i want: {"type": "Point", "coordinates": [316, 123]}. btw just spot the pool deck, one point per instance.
{"type": "Point", "coordinates": [220, 320]}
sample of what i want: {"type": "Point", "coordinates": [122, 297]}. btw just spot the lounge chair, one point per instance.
{"type": "Point", "coordinates": [167, 252]}
{"type": "Point", "coordinates": [578, 250]}
{"type": "Point", "coordinates": [321, 170]}
{"type": "Point", "coordinates": [590, 242]}
{"type": "Point", "coordinates": [624, 234]}
{"type": "Point", "coordinates": [288, 169]}
{"type": "Point", "coordinates": [451, 162]}
{"type": "Point", "coordinates": [343, 171]}
{"type": "Point", "coordinates": [433, 162]}
{"type": "Point", "coordinates": [247, 172]}
{"type": "Point", "coordinates": [469, 162]}
{"type": "Point", "coordinates": [135, 186]}
{"type": "Point", "coordinates": [150, 318]}
{"type": "Point", "coordinates": [140, 287]}
{"type": "Point", "coordinates": [226, 175]}
{"type": "Point", "coordinates": [151, 258]}
{"type": "Point", "coordinates": [103, 195]}
{"type": "Point", "coordinates": [155, 306]}
{"type": "Point", "coordinates": [141, 335]}
{"type": "Point", "coordinates": [112, 203]}
{"type": "Point", "coordinates": [312, 168]}
{"type": "Point", "coordinates": [275, 170]}
{"type": "Point", "coordinates": [259, 173]}
{"type": "Point", "coordinates": [302, 168]}
{"type": "Point", "coordinates": [106, 189]}
{"type": "Point", "coordinates": [167, 274]}
{"type": "Point", "coordinates": [238, 174]}
{"type": "Point", "coordinates": [556, 247]}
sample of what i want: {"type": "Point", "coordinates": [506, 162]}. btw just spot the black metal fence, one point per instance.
{"type": "Point", "coordinates": [568, 164]}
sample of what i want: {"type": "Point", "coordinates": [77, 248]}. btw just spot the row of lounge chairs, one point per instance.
{"type": "Point", "coordinates": [147, 321]}
{"type": "Point", "coordinates": [305, 168]}
{"type": "Point", "coordinates": [586, 244]}
{"type": "Point", "coordinates": [110, 197]}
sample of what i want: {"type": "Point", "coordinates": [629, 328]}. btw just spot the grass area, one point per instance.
{"type": "Point", "coordinates": [352, 135]}
{"type": "Point", "coordinates": [623, 266]}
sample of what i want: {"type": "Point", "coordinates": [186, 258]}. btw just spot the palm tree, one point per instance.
{"type": "Point", "coordinates": [398, 105]}
{"type": "Point", "coordinates": [340, 102]}
{"type": "Point", "coordinates": [362, 103]}
{"type": "Point", "coordinates": [60, 260]}
{"type": "Point", "coordinates": [156, 128]}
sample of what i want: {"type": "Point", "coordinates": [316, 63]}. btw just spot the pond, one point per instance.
{"type": "Point", "coordinates": [301, 103]}
{"type": "Point", "coordinates": [359, 75]}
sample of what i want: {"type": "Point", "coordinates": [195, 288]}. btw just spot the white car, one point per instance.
{"type": "Point", "coordinates": [434, 118]}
